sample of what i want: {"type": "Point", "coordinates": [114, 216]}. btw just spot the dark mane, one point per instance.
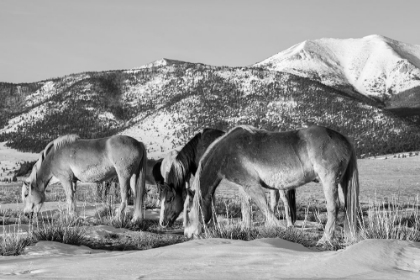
{"type": "Point", "coordinates": [157, 175]}
{"type": "Point", "coordinates": [184, 163]}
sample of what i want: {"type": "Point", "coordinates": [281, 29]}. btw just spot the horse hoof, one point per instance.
{"type": "Point", "coordinates": [324, 241]}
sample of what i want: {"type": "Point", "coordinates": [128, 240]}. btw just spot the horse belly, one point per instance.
{"type": "Point", "coordinates": [94, 172]}
{"type": "Point", "coordinates": [286, 180]}
{"type": "Point", "coordinates": [286, 170]}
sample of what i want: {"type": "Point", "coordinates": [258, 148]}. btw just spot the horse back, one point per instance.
{"type": "Point", "coordinates": [281, 159]}
{"type": "Point", "coordinates": [92, 160]}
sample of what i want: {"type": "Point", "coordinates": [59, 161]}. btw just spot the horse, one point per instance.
{"type": "Point", "coordinates": [71, 159]}
{"type": "Point", "coordinates": [178, 170]}
{"type": "Point", "coordinates": [257, 159]}
{"type": "Point", "coordinates": [176, 192]}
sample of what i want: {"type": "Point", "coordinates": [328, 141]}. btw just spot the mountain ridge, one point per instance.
{"type": "Point", "coordinates": [164, 103]}
{"type": "Point", "coordinates": [375, 66]}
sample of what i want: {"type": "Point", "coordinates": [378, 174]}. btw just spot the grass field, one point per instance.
{"type": "Point", "coordinates": [389, 188]}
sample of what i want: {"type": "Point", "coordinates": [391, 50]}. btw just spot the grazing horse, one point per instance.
{"type": "Point", "coordinates": [176, 191]}
{"type": "Point", "coordinates": [255, 159]}
{"type": "Point", "coordinates": [70, 159]}
{"type": "Point", "coordinates": [180, 166]}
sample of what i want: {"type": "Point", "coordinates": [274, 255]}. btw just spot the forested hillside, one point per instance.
{"type": "Point", "coordinates": [167, 102]}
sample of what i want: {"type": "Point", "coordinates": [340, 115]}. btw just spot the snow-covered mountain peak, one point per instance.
{"type": "Point", "coordinates": [373, 65]}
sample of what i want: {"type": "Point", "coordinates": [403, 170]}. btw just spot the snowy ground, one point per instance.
{"type": "Point", "coordinates": [218, 259]}
{"type": "Point", "coordinates": [228, 259]}
{"type": "Point", "coordinates": [212, 259]}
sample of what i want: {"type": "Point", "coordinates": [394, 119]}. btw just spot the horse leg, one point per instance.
{"type": "Point", "coordinates": [285, 200]}
{"type": "Point", "coordinates": [245, 208]}
{"type": "Point", "coordinates": [137, 181]}
{"type": "Point", "coordinates": [133, 182]}
{"type": "Point", "coordinates": [274, 199]}
{"type": "Point", "coordinates": [74, 187]}
{"type": "Point", "coordinates": [157, 204]}
{"type": "Point", "coordinates": [213, 209]}
{"type": "Point", "coordinates": [124, 199]}
{"type": "Point", "coordinates": [70, 191]}
{"type": "Point", "coordinates": [256, 192]}
{"type": "Point", "coordinates": [331, 194]}
{"type": "Point", "coordinates": [186, 205]}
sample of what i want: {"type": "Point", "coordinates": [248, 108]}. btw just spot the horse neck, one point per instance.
{"type": "Point", "coordinates": [185, 163]}
{"type": "Point", "coordinates": [187, 156]}
{"type": "Point", "coordinates": [44, 174]}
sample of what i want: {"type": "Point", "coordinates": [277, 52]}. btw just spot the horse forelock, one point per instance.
{"type": "Point", "coordinates": [166, 164]}
{"type": "Point", "coordinates": [177, 174]}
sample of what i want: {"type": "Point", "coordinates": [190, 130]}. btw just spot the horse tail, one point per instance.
{"type": "Point", "coordinates": [350, 186]}
{"type": "Point", "coordinates": [291, 198]}
{"type": "Point", "coordinates": [141, 180]}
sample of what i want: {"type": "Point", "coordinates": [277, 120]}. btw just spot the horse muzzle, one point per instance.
{"type": "Point", "coordinates": [29, 215]}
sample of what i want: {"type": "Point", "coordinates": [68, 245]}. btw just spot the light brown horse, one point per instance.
{"type": "Point", "coordinates": [71, 159]}
{"type": "Point", "coordinates": [176, 193]}
{"type": "Point", "coordinates": [257, 159]}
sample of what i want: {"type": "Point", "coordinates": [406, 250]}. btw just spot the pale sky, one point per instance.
{"type": "Point", "coordinates": [45, 39]}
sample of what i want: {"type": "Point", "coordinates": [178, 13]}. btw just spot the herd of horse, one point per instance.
{"type": "Point", "coordinates": [246, 158]}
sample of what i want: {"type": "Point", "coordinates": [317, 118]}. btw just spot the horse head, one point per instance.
{"type": "Point", "coordinates": [33, 198]}
{"type": "Point", "coordinates": [33, 188]}
{"type": "Point", "coordinates": [172, 205]}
